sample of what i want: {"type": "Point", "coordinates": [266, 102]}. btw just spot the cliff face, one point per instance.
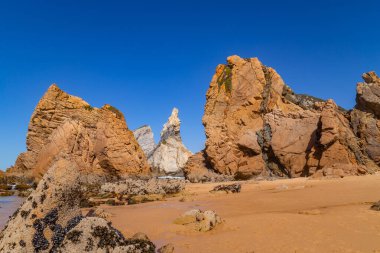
{"type": "Point", "coordinates": [170, 155]}
{"type": "Point", "coordinates": [256, 125]}
{"type": "Point", "coordinates": [61, 122]}
{"type": "Point", "coordinates": [365, 116]}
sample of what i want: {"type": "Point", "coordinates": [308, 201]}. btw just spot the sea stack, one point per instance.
{"type": "Point", "coordinates": [170, 155]}
{"type": "Point", "coordinates": [257, 126]}
{"type": "Point", "coordinates": [112, 146]}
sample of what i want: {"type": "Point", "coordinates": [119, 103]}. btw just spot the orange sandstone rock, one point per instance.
{"type": "Point", "coordinates": [61, 121]}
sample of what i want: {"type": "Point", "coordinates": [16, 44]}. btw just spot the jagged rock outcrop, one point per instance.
{"type": "Point", "coordinates": [144, 136]}
{"type": "Point", "coordinates": [50, 219]}
{"type": "Point", "coordinates": [170, 155]}
{"type": "Point", "coordinates": [61, 121]}
{"type": "Point", "coordinates": [365, 117]}
{"type": "Point", "coordinates": [256, 125]}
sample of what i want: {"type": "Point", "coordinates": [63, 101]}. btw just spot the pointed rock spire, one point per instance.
{"type": "Point", "coordinates": [112, 145]}
{"type": "Point", "coordinates": [172, 127]}
{"type": "Point", "coordinates": [170, 155]}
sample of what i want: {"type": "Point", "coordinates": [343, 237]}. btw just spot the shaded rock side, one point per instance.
{"type": "Point", "coordinates": [366, 114]}
{"type": "Point", "coordinates": [306, 142]}
{"type": "Point", "coordinates": [113, 145]}
{"type": "Point", "coordinates": [198, 170]}
{"type": "Point", "coordinates": [256, 125]}
{"type": "Point", "coordinates": [170, 155]}
{"type": "Point", "coordinates": [144, 136]}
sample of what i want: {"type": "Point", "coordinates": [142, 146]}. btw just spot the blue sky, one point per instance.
{"type": "Point", "coordinates": [145, 57]}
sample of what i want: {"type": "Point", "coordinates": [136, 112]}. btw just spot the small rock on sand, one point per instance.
{"type": "Point", "coordinates": [376, 206]}
{"type": "Point", "coordinates": [168, 248]}
{"type": "Point", "coordinates": [310, 212]}
{"type": "Point", "coordinates": [204, 221]}
{"type": "Point", "coordinates": [232, 188]}
{"type": "Point", "coordinates": [140, 236]}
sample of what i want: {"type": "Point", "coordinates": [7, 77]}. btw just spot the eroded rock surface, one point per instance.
{"type": "Point", "coordinates": [201, 221]}
{"type": "Point", "coordinates": [366, 114]}
{"type": "Point", "coordinates": [144, 136]}
{"type": "Point", "coordinates": [144, 187]}
{"type": "Point", "coordinates": [50, 219]}
{"type": "Point", "coordinates": [198, 170]}
{"type": "Point", "coordinates": [58, 115]}
{"type": "Point", "coordinates": [229, 188]}
{"type": "Point", "coordinates": [97, 235]}
{"type": "Point", "coordinates": [168, 248]}
{"type": "Point", "coordinates": [170, 155]}
{"type": "Point", "coordinates": [257, 126]}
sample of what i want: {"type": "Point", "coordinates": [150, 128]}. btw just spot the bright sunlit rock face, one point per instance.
{"type": "Point", "coordinates": [170, 155]}
{"type": "Point", "coordinates": [257, 126]}
{"type": "Point", "coordinates": [57, 115]}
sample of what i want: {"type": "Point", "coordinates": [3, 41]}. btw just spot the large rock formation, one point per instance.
{"type": "Point", "coordinates": [61, 121]}
{"type": "Point", "coordinates": [365, 116]}
{"type": "Point", "coordinates": [170, 155]}
{"type": "Point", "coordinates": [50, 219]}
{"type": "Point", "coordinates": [144, 136]}
{"type": "Point", "coordinates": [256, 125]}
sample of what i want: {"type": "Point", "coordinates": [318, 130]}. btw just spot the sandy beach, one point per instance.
{"type": "Point", "coordinates": [290, 215]}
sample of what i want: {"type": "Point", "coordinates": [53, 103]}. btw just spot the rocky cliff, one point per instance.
{"type": "Point", "coordinates": [365, 117]}
{"type": "Point", "coordinates": [170, 155]}
{"type": "Point", "coordinates": [256, 125]}
{"type": "Point", "coordinates": [99, 136]}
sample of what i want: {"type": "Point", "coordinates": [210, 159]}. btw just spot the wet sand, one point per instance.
{"type": "Point", "coordinates": [8, 205]}
{"type": "Point", "coordinates": [292, 215]}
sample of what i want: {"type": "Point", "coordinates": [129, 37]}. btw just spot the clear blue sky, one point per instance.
{"type": "Point", "coordinates": [145, 57]}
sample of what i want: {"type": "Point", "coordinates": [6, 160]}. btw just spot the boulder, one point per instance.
{"type": "Point", "coordinates": [50, 219]}
{"type": "Point", "coordinates": [97, 235]}
{"type": "Point", "coordinates": [231, 188]}
{"type": "Point", "coordinates": [57, 116]}
{"type": "Point", "coordinates": [201, 221]}
{"type": "Point", "coordinates": [198, 170]}
{"type": "Point", "coordinates": [170, 155]}
{"type": "Point", "coordinates": [189, 217]}
{"type": "Point", "coordinates": [140, 236]}
{"type": "Point", "coordinates": [168, 248]}
{"type": "Point", "coordinates": [209, 222]}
